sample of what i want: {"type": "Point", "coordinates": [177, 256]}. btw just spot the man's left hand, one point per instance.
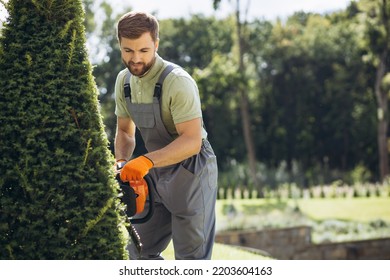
{"type": "Point", "coordinates": [136, 169]}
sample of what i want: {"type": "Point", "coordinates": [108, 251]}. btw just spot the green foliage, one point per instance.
{"type": "Point", "coordinates": [193, 42]}
{"type": "Point", "coordinates": [217, 85]}
{"type": "Point", "coordinates": [374, 17]}
{"type": "Point", "coordinates": [311, 94]}
{"type": "Point", "coordinates": [57, 189]}
{"type": "Point", "coordinates": [360, 174]}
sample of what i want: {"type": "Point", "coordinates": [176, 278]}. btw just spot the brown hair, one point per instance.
{"type": "Point", "coordinates": [133, 24]}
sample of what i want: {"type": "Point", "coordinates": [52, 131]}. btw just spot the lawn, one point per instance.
{"type": "Point", "coordinates": [222, 252]}
{"type": "Point", "coordinates": [352, 209]}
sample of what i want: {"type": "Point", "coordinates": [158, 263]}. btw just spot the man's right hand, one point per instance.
{"type": "Point", "coordinates": [119, 165]}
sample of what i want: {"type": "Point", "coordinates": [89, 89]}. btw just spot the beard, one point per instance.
{"type": "Point", "coordinates": [138, 69]}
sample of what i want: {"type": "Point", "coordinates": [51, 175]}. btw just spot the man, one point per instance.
{"type": "Point", "coordinates": [179, 159]}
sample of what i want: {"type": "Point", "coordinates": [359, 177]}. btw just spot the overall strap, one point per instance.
{"type": "Point", "coordinates": [158, 86]}
{"type": "Point", "coordinates": [126, 85]}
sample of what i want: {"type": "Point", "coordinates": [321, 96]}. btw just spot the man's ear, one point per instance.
{"type": "Point", "coordinates": [156, 44]}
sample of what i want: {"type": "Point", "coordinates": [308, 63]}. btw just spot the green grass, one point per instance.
{"type": "Point", "coordinates": [351, 209]}
{"type": "Point", "coordinates": [222, 252]}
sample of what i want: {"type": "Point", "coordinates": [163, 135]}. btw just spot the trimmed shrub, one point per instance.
{"type": "Point", "coordinates": [58, 196]}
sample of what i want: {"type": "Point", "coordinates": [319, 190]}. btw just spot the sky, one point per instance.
{"type": "Point", "coordinates": [265, 9]}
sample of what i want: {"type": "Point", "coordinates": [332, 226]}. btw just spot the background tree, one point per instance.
{"type": "Point", "coordinates": [193, 42]}
{"type": "Point", "coordinates": [57, 189]}
{"type": "Point", "coordinates": [315, 105]}
{"type": "Point", "coordinates": [376, 18]}
{"type": "Point", "coordinates": [242, 89]}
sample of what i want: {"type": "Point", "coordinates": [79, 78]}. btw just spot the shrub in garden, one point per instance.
{"type": "Point", "coordinates": [57, 190]}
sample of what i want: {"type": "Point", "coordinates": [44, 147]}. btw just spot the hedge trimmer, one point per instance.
{"type": "Point", "coordinates": [134, 196]}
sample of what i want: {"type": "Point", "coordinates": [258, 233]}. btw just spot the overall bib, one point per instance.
{"type": "Point", "coordinates": [185, 193]}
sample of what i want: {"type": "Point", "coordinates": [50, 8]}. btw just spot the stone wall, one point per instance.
{"type": "Point", "coordinates": [295, 243]}
{"type": "Point", "coordinates": [372, 249]}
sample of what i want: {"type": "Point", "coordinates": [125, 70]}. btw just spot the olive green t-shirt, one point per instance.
{"type": "Point", "coordinates": [180, 101]}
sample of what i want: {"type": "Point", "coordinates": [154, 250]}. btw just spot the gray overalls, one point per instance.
{"type": "Point", "coordinates": [185, 192]}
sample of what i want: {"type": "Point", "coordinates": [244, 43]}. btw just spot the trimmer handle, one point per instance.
{"type": "Point", "coordinates": [129, 199]}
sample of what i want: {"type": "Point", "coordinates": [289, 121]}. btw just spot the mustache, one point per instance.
{"type": "Point", "coordinates": [136, 63]}
{"type": "Point", "coordinates": [131, 63]}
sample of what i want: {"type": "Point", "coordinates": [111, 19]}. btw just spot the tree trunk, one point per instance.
{"type": "Point", "coordinates": [381, 97]}
{"type": "Point", "coordinates": [248, 137]}
{"type": "Point", "coordinates": [244, 106]}
{"type": "Point", "coordinates": [383, 122]}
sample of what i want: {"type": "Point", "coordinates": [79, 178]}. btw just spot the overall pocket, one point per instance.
{"type": "Point", "coordinates": [185, 193]}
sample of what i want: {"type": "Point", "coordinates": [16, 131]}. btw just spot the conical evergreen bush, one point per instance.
{"type": "Point", "coordinates": [57, 189]}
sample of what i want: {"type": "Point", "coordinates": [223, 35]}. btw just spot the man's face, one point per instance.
{"type": "Point", "coordinates": [138, 54]}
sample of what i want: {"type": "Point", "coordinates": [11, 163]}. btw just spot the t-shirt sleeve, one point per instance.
{"type": "Point", "coordinates": [184, 100]}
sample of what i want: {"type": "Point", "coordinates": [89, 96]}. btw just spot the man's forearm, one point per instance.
{"type": "Point", "coordinates": [177, 151]}
{"type": "Point", "coordinates": [124, 146]}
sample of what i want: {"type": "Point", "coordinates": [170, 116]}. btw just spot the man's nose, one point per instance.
{"type": "Point", "coordinates": [136, 58]}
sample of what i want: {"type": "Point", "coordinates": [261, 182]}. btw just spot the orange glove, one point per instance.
{"type": "Point", "coordinates": [136, 169]}
{"type": "Point", "coordinates": [141, 190]}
